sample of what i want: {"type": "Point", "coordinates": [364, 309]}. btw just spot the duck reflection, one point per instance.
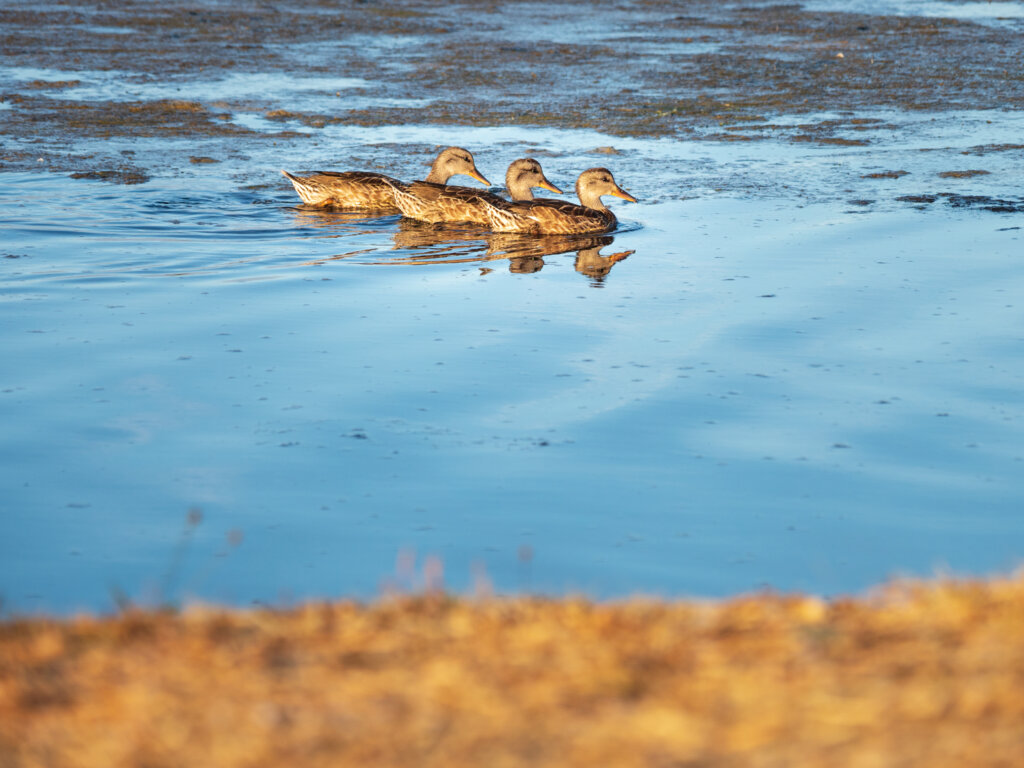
{"type": "Point", "coordinates": [591, 263]}
{"type": "Point", "coordinates": [343, 221]}
{"type": "Point", "coordinates": [533, 248]}
{"type": "Point", "coordinates": [422, 243]}
{"type": "Point", "coordinates": [428, 238]}
{"type": "Point", "coordinates": [459, 243]}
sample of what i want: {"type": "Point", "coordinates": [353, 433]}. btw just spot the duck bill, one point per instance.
{"type": "Point", "coordinates": [545, 184]}
{"type": "Point", "coordinates": [475, 174]}
{"type": "Point", "coordinates": [620, 192]}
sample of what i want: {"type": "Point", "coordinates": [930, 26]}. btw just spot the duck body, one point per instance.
{"type": "Point", "coordinates": [375, 191]}
{"type": "Point", "coordinates": [550, 217]}
{"type": "Point", "coordinates": [431, 202]}
{"type": "Point", "coordinates": [436, 203]}
{"type": "Point", "coordinates": [346, 189]}
{"type": "Point", "coordinates": [556, 217]}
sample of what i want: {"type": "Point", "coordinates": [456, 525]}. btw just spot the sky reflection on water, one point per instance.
{"type": "Point", "coordinates": [735, 391]}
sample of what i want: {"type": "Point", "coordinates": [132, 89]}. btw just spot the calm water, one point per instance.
{"type": "Point", "coordinates": [766, 383]}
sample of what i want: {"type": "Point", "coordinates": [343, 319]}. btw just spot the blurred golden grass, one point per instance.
{"type": "Point", "coordinates": [917, 674]}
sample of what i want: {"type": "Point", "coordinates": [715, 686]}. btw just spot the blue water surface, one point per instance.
{"type": "Point", "coordinates": [783, 390]}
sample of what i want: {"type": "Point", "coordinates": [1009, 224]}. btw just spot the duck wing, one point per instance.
{"type": "Point", "coordinates": [558, 217]}
{"type": "Point", "coordinates": [427, 201]}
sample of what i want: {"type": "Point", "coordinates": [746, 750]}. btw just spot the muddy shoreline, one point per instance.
{"type": "Point", "coordinates": [918, 675]}
{"type": "Point", "coordinates": [716, 73]}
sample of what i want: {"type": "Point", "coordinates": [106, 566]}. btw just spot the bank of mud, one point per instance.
{"type": "Point", "coordinates": [722, 71]}
{"type": "Point", "coordinates": [918, 675]}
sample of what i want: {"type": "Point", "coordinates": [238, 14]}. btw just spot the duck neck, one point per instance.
{"type": "Point", "coordinates": [518, 188]}
{"type": "Point", "coordinates": [589, 199]}
{"type": "Point", "coordinates": [437, 176]}
{"type": "Point", "coordinates": [518, 184]}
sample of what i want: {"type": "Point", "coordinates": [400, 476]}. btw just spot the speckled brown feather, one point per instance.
{"type": "Point", "coordinates": [348, 189]}
{"type": "Point", "coordinates": [426, 201]}
{"type": "Point", "coordinates": [557, 217]}
{"type": "Point", "coordinates": [549, 217]}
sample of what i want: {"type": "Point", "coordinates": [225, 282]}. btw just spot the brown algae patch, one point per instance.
{"type": "Point", "coordinates": [961, 174]}
{"type": "Point", "coordinates": [704, 71]}
{"type": "Point", "coordinates": [834, 140]}
{"type": "Point", "coordinates": [105, 119]}
{"type": "Point", "coordinates": [989, 148]}
{"type": "Point", "coordinates": [917, 675]}
{"type": "Point", "coordinates": [120, 176]}
{"type": "Point", "coordinates": [977, 202]}
{"type": "Point", "coordinates": [886, 175]}
{"type": "Point", "coordinates": [52, 85]}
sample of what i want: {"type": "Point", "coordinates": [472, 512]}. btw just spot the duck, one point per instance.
{"type": "Point", "coordinates": [375, 191]}
{"type": "Point", "coordinates": [431, 202]}
{"type": "Point", "coordinates": [558, 217]}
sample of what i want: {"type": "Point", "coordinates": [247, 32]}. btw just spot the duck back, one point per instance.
{"type": "Point", "coordinates": [346, 189]}
{"type": "Point", "coordinates": [430, 202]}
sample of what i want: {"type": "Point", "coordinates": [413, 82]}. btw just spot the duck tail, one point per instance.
{"type": "Point", "coordinates": [308, 189]}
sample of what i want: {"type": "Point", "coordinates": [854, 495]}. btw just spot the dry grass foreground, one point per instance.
{"type": "Point", "coordinates": [920, 674]}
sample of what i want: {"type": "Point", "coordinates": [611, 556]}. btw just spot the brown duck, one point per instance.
{"type": "Point", "coordinates": [431, 202]}
{"type": "Point", "coordinates": [363, 189]}
{"type": "Point", "coordinates": [557, 217]}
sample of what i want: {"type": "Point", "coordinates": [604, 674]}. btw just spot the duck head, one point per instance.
{"type": "Point", "coordinates": [454, 161]}
{"type": "Point", "coordinates": [595, 182]}
{"type": "Point", "coordinates": [525, 174]}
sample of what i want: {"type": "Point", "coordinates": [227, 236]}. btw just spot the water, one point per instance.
{"type": "Point", "coordinates": [986, 12]}
{"type": "Point", "coordinates": [777, 373]}
{"type": "Point", "coordinates": [107, 85]}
